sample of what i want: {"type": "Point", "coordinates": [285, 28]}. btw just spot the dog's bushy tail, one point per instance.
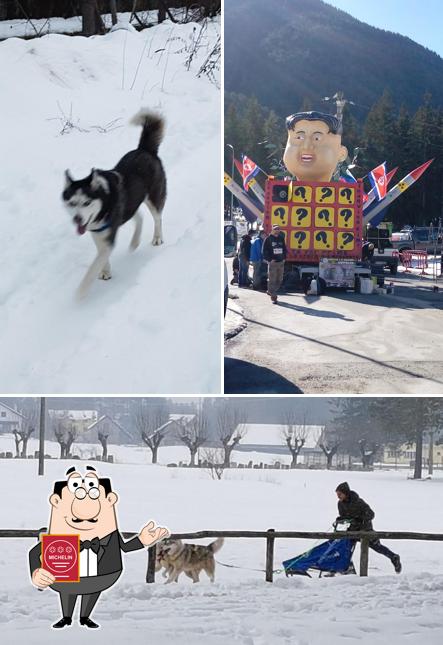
{"type": "Point", "coordinates": [217, 545]}
{"type": "Point", "coordinates": [153, 128]}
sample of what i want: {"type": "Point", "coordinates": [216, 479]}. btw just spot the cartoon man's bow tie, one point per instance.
{"type": "Point", "coordinates": [93, 544]}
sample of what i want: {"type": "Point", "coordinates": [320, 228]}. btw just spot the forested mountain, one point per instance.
{"type": "Point", "coordinates": [288, 51]}
{"type": "Point", "coordinates": [286, 57]}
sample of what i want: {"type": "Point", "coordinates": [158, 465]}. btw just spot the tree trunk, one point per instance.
{"type": "Point", "coordinates": [418, 455]}
{"type": "Point", "coordinates": [62, 450]}
{"type": "Point", "coordinates": [154, 451]}
{"type": "Point", "coordinates": [105, 453]}
{"type": "Point", "coordinates": [227, 459]}
{"type": "Point", "coordinates": [193, 453]}
{"type": "Point", "coordinates": [113, 8]}
{"type": "Point", "coordinates": [294, 460]}
{"type": "Point", "coordinates": [24, 447]}
{"type": "Point", "coordinates": [17, 445]}
{"type": "Point", "coordinates": [329, 461]}
{"type": "Point", "coordinates": [88, 17]}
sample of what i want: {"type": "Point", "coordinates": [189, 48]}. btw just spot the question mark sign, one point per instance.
{"type": "Point", "coordinates": [280, 212]}
{"type": "Point", "coordinates": [347, 238]}
{"type": "Point", "coordinates": [300, 191]}
{"type": "Point", "coordinates": [347, 194]}
{"type": "Point", "coordinates": [324, 214]}
{"type": "Point", "coordinates": [301, 214]}
{"type": "Point", "coordinates": [322, 237]}
{"type": "Point", "coordinates": [325, 193]}
{"type": "Point", "coordinates": [300, 236]}
{"type": "Point", "coordinates": [346, 213]}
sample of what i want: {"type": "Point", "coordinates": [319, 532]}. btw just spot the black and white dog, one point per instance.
{"type": "Point", "coordinates": [106, 199]}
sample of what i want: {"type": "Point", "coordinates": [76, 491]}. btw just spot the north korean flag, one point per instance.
{"type": "Point", "coordinates": [377, 177]}
{"type": "Point", "coordinates": [250, 169]}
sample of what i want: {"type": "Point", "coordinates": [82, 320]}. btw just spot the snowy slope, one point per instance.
{"type": "Point", "coordinates": [155, 327]}
{"type": "Point", "coordinates": [240, 607]}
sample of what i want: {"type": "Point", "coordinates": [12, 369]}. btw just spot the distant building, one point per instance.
{"type": "Point", "coordinates": [108, 426]}
{"type": "Point", "coordinates": [10, 419]}
{"type": "Point", "coordinates": [79, 420]}
{"type": "Point", "coordinates": [269, 439]}
{"type": "Point", "coordinates": [404, 455]}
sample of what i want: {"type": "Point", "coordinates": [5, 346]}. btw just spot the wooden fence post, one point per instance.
{"type": "Point", "coordinates": [150, 573]}
{"type": "Point", "coordinates": [364, 556]}
{"type": "Point", "coordinates": [270, 555]}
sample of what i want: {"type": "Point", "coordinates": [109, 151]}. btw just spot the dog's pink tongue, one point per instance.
{"type": "Point", "coordinates": [81, 229]}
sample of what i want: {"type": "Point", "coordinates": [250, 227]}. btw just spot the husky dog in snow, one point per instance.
{"type": "Point", "coordinates": [106, 199]}
{"type": "Point", "coordinates": [190, 559]}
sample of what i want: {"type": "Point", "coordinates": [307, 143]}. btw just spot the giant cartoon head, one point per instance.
{"type": "Point", "coordinates": [83, 505]}
{"type": "Point", "coordinates": [314, 146]}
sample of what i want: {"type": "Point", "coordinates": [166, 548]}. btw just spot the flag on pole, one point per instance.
{"type": "Point", "coordinates": [377, 177]}
{"type": "Point", "coordinates": [250, 169]}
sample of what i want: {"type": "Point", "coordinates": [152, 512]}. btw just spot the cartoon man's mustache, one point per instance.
{"type": "Point", "coordinates": [75, 519]}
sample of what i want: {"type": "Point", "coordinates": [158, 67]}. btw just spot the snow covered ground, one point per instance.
{"type": "Point", "coordinates": [155, 327]}
{"type": "Point", "coordinates": [240, 607]}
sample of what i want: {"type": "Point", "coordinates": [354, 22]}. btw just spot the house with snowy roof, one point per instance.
{"type": "Point", "coordinates": [10, 419]}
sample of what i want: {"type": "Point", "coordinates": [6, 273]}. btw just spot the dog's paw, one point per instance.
{"type": "Point", "coordinates": [157, 240]}
{"type": "Point", "coordinates": [105, 275]}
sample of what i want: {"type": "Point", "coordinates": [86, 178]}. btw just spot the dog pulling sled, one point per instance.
{"type": "Point", "coordinates": [329, 558]}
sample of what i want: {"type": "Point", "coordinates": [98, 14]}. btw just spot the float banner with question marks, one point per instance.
{"type": "Point", "coordinates": [61, 556]}
{"type": "Point", "coordinates": [319, 219]}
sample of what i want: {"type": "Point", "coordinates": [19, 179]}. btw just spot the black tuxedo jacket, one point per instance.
{"type": "Point", "coordinates": [109, 558]}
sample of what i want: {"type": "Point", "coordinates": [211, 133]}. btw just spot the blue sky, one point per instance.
{"type": "Point", "coordinates": [420, 20]}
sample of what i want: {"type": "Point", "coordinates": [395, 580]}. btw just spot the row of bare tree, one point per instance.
{"type": "Point", "coordinates": [92, 10]}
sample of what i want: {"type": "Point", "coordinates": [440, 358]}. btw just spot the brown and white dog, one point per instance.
{"type": "Point", "coordinates": [175, 558]}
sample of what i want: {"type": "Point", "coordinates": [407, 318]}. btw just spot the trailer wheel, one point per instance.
{"type": "Point", "coordinates": [321, 286]}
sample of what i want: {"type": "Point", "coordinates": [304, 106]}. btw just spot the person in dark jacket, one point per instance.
{"type": "Point", "coordinates": [353, 508]}
{"type": "Point", "coordinates": [256, 259]}
{"type": "Point", "coordinates": [244, 257]}
{"type": "Point", "coordinates": [274, 252]}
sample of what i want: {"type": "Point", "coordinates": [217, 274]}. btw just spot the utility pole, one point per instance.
{"type": "Point", "coordinates": [41, 446]}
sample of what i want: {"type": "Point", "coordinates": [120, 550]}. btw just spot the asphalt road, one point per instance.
{"type": "Point", "coordinates": [341, 342]}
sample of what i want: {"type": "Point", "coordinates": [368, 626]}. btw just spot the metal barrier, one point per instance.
{"type": "Point", "coordinates": [365, 537]}
{"type": "Point", "coordinates": [418, 257]}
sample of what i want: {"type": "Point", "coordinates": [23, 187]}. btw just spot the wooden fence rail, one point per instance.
{"type": "Point", "coordinates": [365, 537]}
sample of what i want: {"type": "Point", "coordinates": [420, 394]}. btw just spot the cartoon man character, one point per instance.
{"type": "Point", "coordinates": [314, 146]}
{"type": "Point", "coordinates": [85, 505]}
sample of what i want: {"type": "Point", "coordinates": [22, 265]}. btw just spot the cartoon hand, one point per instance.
{"type": "Point", "coordinates": [42, 578]}
{"type": "Point", "coordinates": [150, 535]}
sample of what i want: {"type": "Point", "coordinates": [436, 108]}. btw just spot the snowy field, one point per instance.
{"type": "Point", "coordinates": [66, 103]}
{"type": "Point", "coordinates": [240, 607]}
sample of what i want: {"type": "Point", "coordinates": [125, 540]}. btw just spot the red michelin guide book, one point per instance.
{"type": "Point", "coordinates": [61, 556]}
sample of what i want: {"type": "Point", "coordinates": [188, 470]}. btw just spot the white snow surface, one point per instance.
{"type": "Point", "coordinates": [155, 327]}
{"type": "Point", "coordinates": [240, 607]}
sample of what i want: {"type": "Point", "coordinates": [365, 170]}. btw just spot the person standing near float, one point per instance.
{"type": "Point", "coordinates": [274, 252]}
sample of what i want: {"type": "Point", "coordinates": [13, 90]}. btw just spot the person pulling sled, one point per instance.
{"type": "Point", "coordinates": [359, 514]}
